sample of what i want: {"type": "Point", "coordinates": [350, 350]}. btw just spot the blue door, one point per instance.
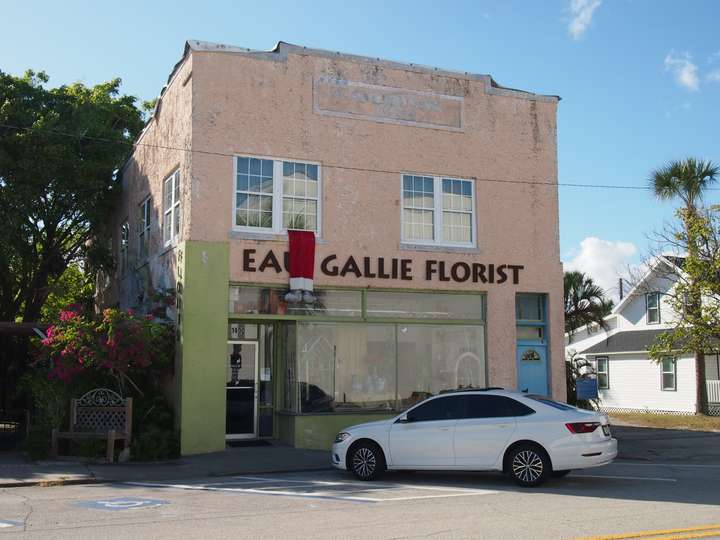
{"type": "Point", "coordinates": [532, 368]}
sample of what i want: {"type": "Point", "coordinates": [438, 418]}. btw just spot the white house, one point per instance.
{"type": "Point", "coordinates": [628, 380]}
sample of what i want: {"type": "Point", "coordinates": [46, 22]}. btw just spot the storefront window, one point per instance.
{"type": "Point", "coordinates": [436, 358]}
{"type": "Point", "coordinates": [267, 301]}
{"type": "Point", "coordinates": [410, 305]}
{"type": "Point", "coordinates": [345, 367]}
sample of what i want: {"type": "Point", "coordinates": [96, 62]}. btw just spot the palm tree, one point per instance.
{"type": "Point", "coordinates": [687, 180]}
{"type": "Point", "coordinates": [585, 303]}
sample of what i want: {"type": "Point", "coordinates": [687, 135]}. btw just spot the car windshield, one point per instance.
{"type": "Point", "coordinates": [552, 403]}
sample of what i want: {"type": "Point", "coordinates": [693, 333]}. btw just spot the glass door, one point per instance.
{"type": "Point", "coordinates": [241, 390]}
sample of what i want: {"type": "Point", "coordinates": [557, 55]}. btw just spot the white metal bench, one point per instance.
{"type": "Point", "coordinates": [99, 414]}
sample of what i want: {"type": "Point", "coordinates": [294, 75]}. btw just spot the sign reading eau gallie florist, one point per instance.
{"type": "Point", "coordinates": [387, 268]}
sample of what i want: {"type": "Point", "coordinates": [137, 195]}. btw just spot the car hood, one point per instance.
{"type": "Point", "coordinates": [370, 425]}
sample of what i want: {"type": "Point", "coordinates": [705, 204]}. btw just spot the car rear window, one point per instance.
{"type": "Point", "coordinates": [552, 403]}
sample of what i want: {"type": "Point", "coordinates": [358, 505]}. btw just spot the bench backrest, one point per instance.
{"type": "Point", "coordinates": [101, 410]}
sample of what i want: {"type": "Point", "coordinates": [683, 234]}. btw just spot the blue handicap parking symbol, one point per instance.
{"type": "Point", "coordinates": [121, 504]}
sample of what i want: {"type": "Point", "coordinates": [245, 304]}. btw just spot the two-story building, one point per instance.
{"type": "Point", "coordinates": [433, 199]}
{"type": "Point", "coordinates": [628, 379]}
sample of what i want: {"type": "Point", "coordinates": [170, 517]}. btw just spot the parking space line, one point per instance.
{"type": "Point", "coordinates": [267, 486]}
{"type": "Point", "coordinates": [649, 478]}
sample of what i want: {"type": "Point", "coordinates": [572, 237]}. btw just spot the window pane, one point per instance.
{"type": "Point", "coordinates": [176, 221]}
{"type": "Point", "coordinates": [436, 358]}
{"type": "Point", "coordinates": [602, 380]}
{"type": "Point", "coordinates": [529, 307]}
{"type": "Point", "coordinates": [667, 365]}
{"type": "Point", "coordinates": [668, 381]}
{"type": "Point", "coordinates": [242, 164]}
{"type": "Point", "coordinates": [167, 227]}
{"type": "Point", "coordinates": [534, 333]}
{"type": "Point", "coordinates": [602, 366]}
{"type": "Point", "coordinates": [444, 408]}
{"type": "Point", "coordinates": [418, 224]}
{"type": "Point", "coordinates": [345, 367]}
{"type": "Point", "coordinates": [652, 300]}
{"type": "Point", "coordinates": [176, 192]}
{"type": "Point", "coordinates": [409, 305]}
{"type": "Point", "coordinates": [263, 300]}
{"type": "Point", "coordinates": [488, 406]}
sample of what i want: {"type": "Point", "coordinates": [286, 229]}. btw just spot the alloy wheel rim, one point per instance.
{"type": "Point", "coordinates": [527, 466]}
{"type": "Point", "coordinates": [364, 462]}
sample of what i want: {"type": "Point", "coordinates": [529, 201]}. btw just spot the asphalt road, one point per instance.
{"type": "Point", "coordinates": [625, 497]}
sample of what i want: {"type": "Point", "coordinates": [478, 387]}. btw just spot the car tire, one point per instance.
{"type": "Point", "coordinates": [560, 474]}
{"type": "Point", "coordinates": [366, 461]}
{"type": "Point", "coordinates": [529, 465]}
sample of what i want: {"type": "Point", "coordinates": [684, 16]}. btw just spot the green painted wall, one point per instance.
{"type": "Point", "coordinates": [318, 432]}
{"type": "Point", "coordinates": [203, 274]}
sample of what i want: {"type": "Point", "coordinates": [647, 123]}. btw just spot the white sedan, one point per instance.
{"type": "Point", "coordinates": [529, 437]}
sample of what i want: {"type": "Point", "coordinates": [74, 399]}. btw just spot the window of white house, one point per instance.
{"type": "Point", "coordinates": [276, 195]}
{"type": "Point", "coordinates": [437, 210]}
{"type": "Point", "coordinates": [669, 372]}
{"type": "Point", "coordinates": [171, 208]}
{"type": "Point", "coordinates": [144, 229]}
{"type": "Point", "coordinates": [602, 370]}
{"type": "Point", "coordinates": [124, 241]}
{"type": "Point", "coordinates": [653, 307]}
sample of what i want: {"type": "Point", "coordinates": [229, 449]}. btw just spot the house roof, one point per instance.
{"type": "Point", "coordinates": [630, 341]}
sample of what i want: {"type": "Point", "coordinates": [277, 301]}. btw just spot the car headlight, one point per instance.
{"type": "Point", "coordinates": [340, 437]}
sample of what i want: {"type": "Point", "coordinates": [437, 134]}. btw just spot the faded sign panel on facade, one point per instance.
{"type": "Point", "coordinates": [338, 97]}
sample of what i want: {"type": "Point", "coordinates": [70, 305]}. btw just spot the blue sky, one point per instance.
{"type": "Point", "coordinates": [640, 79]}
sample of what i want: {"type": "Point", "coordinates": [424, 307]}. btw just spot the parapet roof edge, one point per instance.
{"type": "Point", "coordinates": [282, 49]}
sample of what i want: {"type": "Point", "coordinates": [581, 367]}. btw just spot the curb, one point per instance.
{"type": "Point", "coordinates": [51, 483]}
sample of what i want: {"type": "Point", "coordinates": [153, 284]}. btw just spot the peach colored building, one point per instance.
{"type": "Point", "coordinates": [433, 198]}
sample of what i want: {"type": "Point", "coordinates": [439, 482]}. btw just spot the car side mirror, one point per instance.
{"type": "Point", "coordinates": [403, 419]}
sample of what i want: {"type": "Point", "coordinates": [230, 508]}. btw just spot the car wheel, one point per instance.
{"type": "Point", "coordinates": [560, 474]}
{"type": "Point", "coordinates": [529, 465]}
{"type": "Point", "coordinates": [367, 461]}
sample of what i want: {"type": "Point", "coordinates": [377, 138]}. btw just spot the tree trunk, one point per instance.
{"type": "Point", "coordinates": [701, 387]}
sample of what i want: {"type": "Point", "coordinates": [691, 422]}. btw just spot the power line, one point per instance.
{"type": "Point", "coordinates": [331, 166]}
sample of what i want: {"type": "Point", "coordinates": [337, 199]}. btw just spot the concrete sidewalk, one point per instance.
{"type": "Point", "coordinates": [14, 471]}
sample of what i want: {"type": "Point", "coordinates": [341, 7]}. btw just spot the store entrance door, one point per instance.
{"type": "Point", "coordinates": [241, 390]}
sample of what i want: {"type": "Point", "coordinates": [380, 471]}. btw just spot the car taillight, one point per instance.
{"type": "Point", "coordinates": [582, 427]}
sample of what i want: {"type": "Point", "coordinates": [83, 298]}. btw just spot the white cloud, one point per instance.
{"type": "Point", "coordinates": [714, 76]}
{"type": "Point", "coordinates": [581, 12]}
{"type": "Point", "coordinates": [714, 57]}
{"type": "Point", "coordinates": [604, 261]}
{"type": "Point", "coordinates": [682, 67]}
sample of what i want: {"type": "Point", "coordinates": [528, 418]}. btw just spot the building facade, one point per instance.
{"type": "Point", "coordinates": [628, 379]}
{"type": "Point", "coordinates": [433, 199]}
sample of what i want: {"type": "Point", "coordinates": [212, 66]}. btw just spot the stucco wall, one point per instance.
{"type": "Point", "coordinates": [162, 149]}
{"type": "Point", "coordinates": [264, 105]}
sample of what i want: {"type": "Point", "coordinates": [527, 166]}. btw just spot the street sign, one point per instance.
{"type": "Point", "coordinates": [121, 504]}
{"type": "Point", "coordinates": [586, 388]}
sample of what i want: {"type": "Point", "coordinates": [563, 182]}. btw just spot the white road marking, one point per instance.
{"type": "Point", "coordinates": [269, 486]}
{"type": "Point", "coordinates": [651, 478]}
{"type": "Point", "coordinates": [658, 464]}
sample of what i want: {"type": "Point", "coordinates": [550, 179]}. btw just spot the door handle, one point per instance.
{"type": "Point", "coordinates": [445, 429]}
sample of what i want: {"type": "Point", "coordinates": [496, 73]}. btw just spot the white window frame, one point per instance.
{"type": "Point", "coordinates": [647, 308]}
{"type": "Point", "coordinates": [144, 227]}
{"type": "Point", "coordinates": [596, 366]}
{"type": "Point", "coordinates": [663, 373]}
{"type": "Point", "coordinates": [438, 241]}
{"type": "Point", "coordinates": [277, 195]}
{"type": "Point", "coordinates": [172, 213]}
{"type": "Point", "coordinates": [123, 245]}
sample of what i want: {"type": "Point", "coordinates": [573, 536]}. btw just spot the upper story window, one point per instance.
{"type": "Point", "coordinates": [124, 241]}
{"type": "Point", "coordinates": [276, 195]}
{"type": "Point", "coordinates": [144, 229]}
{"type": "Point", "coordinates": [171, 208]}
{"type": "Point", "coordinates": [438, 211]}
{"type": "Point", "coordinates": [652, 301]}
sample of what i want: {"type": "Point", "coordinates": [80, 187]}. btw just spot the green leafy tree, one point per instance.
{"type": "Point", "coordinates": [60, 149]}
{"type": "Point", "coordinates": [687, 180]}
{"type": "Point", "coordinates": [585, 303]}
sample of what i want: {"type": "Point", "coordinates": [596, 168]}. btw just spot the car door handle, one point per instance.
{"type": "Point", "coordinates": [445, 429]}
